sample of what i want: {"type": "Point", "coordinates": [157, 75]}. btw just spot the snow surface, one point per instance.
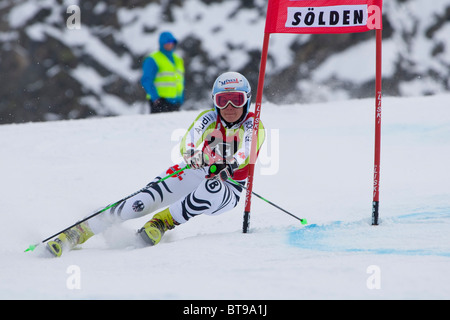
{"type": "Point", "coordinates": [317, 163]}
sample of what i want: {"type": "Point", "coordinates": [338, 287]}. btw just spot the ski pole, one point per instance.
{"type": "Point", "coordinates": [303, 221]}
{"type": "Point", "coordinates": [33, 246]}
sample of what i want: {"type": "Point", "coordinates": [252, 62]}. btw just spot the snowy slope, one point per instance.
{"type": "Point", "coordinates": [317, 163]}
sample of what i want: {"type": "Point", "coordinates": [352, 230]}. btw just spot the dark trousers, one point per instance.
{"type": "Point", "coordinates": [162, 105]}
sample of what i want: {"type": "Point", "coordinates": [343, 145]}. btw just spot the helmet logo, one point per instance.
{"type": "Point", "coordinates": [228, 81]}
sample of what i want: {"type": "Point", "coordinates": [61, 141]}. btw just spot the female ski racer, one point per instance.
{"type": "Point", "coordinates": [216, 147]}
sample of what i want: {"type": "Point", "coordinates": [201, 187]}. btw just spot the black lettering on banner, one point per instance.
{"type": "Point", "coordinates": [327, 16]}
{"type": "Point", "coordinates": [358, 17]}
{"type": "Point", "coordinates": [346, 21]}
{"type": "Point", "coordinates": [297, 18]}
{"type": "Point", "coordinates": [310, 17]}
{"type": "Point", "coordinates": [334, 18]}
{"type": "Point", "coordinates": [321, 20]}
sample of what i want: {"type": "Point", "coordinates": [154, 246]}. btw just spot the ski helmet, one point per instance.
{"type": "Point", "coordinates": [232, 82]}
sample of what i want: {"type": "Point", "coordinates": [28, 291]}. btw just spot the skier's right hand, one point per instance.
{"type": "Point", "coordinates": [196, 159]}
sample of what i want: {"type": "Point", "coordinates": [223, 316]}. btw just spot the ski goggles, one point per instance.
{"type": "Point", "coordinates": [237, 99]}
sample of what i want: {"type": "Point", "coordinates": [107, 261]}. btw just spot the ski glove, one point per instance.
{"type": "Point", "coordinates": [222, 171]}
{"type": "Point", "coordinates": [195, 158]}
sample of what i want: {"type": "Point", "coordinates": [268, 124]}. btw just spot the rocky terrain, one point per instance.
{"type": "Point", "coordinates": [57, 63]}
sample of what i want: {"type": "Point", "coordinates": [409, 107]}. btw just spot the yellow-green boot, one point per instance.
{"type": "Point", "coordinates": [154, 229]}
{"type": "Point", "coordinates": [69, 239]}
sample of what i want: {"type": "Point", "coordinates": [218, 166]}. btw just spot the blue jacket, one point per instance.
{"type": "Point", "coordinates": [150, 69]}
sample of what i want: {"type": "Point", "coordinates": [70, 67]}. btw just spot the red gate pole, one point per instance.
{"type": "Point", "coordinates": [376, 173]}
{"type": "Point", "coordinates": [253, 151]}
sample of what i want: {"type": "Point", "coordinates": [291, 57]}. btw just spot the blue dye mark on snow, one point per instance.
{"type": "Point", "coordinates": [440, 213]}
{"type": "Point", "coordinates": [361, 237]}
{"type": "Point", "coordinates": [416, 252]}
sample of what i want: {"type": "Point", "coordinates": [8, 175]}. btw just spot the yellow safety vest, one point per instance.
{"type": "Point", "coordinates": [169, 80]}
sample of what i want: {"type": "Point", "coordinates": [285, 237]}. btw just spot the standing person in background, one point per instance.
{"type": "Point", "coordinates": [163, 76]}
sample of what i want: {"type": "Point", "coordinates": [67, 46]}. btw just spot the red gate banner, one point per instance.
{"type": "Point", "coordinates": [323, 16]}
{"type": "Point", "coordinates": [320, 16]}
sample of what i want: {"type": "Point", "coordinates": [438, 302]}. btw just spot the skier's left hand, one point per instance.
{"type": "Point", "coordinates": [196, 159]}
{"type": "Point", "coordinates": [221, 170]}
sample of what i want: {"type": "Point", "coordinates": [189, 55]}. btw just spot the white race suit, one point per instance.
{"type": "Point", "coordinates": [188, 193]}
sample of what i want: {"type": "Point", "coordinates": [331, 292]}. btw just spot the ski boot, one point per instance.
{"type": "Point", "coordinates": [69, 239]}
{"type": "Point", "coordinates": [154, 229]}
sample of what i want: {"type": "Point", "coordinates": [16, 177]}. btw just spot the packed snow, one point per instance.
{"type": "Point", "coordinates": [317, 163]}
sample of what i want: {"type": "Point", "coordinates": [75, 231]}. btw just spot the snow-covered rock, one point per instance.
{"type": "Point", "coordinates": [53, 71]}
